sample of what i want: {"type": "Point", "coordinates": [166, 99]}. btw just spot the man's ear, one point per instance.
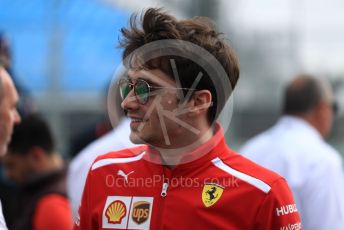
{"type": "Point", "coordinates": [200, 102]}
{"type": "Point", "coordinates": [320, 111]}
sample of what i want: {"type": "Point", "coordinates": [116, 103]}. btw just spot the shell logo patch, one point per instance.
{"type": "Point", "coordinates": [127, 212]}
{"type": "Point", "coordinates": [211, 193]}
{"type": "Point", "coordinates": [140, 211]}
{"type": "Point", "coordinates": [115, 212]}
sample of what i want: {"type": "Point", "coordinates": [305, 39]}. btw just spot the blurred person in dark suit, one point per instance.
{"type": "Point", "coordinates": [32, 163]}
{"type": "Point", "coordinates": [295, 148]}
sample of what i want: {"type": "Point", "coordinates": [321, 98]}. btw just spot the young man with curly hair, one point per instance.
{"type": "Point", "coordinates": [178, 77]}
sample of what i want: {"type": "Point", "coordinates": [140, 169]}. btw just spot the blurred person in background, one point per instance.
{"type": "Point", "coordinates": [115, 139]}
{"type": "Point", "coordinates": [90, 132]}
{"type": "Point", "coordinates": [25, 105]}
{"type": "Point", "coordinates": [39, 171]}
{"type": "Point", "coordinates": [9, 116]}
{"type": "Point", "coordinates": [295, 148]}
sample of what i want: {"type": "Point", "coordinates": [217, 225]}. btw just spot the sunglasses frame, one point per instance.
{"type": "Point", "coordinates": [335, 107]}
{"type": "Point", "coordinates": [133, 86]}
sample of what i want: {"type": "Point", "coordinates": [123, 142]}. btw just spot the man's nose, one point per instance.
{"type": "Point", "coordinates": [17, 118]}
{"type": "Point", "coordinates": [130, 101]}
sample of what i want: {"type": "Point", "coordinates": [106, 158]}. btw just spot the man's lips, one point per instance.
{"type": "Point", "coordinates": [136, 121]}
{"type": "Point", "coordinates": [136, 118]}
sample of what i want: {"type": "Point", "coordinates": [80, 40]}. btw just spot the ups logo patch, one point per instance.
{"type": "Point", "coordinates": [140, 212]}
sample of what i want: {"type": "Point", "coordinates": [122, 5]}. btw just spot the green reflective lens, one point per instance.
{"type": "Point", "coordinates": [142, 91]}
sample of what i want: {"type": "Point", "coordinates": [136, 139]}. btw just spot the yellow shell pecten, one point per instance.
{"type": "Point", "coordinates": [115, 212]}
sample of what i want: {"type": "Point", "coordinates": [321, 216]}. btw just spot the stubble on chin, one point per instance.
{"type": "Point", "coordinates": [135, 139]}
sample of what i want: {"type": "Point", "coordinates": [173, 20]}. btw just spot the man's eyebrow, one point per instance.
{"type": "Point", "coordinates": [151, 78]}
{"type": "Point", "coordinates": [147, 79]}
{"type": "Point", "coordinates": [155, 80]}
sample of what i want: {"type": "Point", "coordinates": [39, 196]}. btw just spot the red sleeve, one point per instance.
{"type": "Point", "coordinates": [84, 220]}
{"type": "Point", "coordinates": [278, 210]}
{"type": "Point", "coordinates": [53, 212]}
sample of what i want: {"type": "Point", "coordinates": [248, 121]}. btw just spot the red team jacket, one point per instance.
{"type": "Point", "coordinates": [220, 190]}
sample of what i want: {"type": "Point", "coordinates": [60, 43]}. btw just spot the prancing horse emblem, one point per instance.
{"type": "Point", "coordinates": [211, 193]}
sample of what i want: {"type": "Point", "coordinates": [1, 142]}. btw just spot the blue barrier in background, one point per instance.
{"type": "Point", "coordinates": [75, 40]}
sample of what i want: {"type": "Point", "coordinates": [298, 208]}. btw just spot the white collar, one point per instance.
{"type": "Point", "coordinates": [300, 124]}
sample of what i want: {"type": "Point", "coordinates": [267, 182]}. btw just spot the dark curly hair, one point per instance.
{"type": "Point", "coordinates": [33, 131]}
{"type": "Point", "coordinates": [155, 25]}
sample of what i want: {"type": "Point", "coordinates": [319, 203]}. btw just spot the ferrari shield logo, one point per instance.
{"type": "Point", "coordinates": [211, 194]}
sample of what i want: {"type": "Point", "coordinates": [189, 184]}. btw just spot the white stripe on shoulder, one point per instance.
{"type": "Point", "coordinates": [105, 162]}
{"type": "Point", "coordinates": [242, 176]}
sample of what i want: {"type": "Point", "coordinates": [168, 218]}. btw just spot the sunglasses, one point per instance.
{"type": "Point", "coordinates": [335, 107]}
{"type": "Point", "coordinates": [142, 89]}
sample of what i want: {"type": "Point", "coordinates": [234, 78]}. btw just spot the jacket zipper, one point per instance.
{"type": "Point", "coordinates": [163, 195]}
{"type": "Point", "coordinates": [164, 188]}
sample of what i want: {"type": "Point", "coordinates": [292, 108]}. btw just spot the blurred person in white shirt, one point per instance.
{"type": "Point", "coordinates": [295, 148]}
